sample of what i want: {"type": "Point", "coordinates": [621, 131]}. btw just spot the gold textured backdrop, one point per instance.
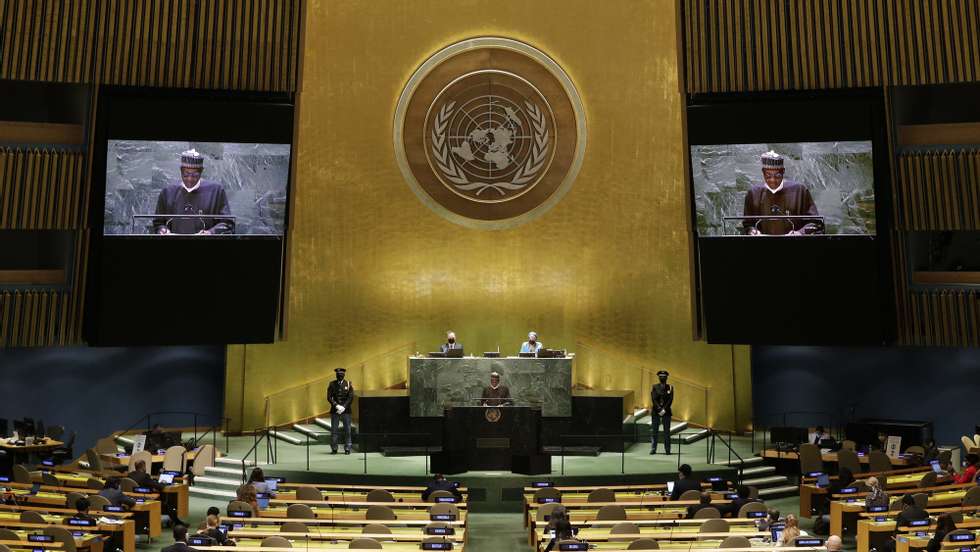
{"type": "Point", "coordinates": [374, 273]}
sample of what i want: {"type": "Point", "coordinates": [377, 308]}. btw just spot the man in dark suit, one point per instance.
{"type": "Point", "coordinates": [910, 512]}
{"type": "Point", "coordinates": [439, 483]}
{"type": "Point", "coordinates": [661, 399]}
{"type": "Point", "coordinates": [740, 500]}
{"type": "Point", "coordinates": [684, 482]}
{"type": "Point", "coordinates": [704, 501]}
{"type": "Point", "coordinates": [180, 540]}
{"type": "Point", "coordinates": [450, 343]}
{"type": "Point", "coordinates": [82, 506]}
{"type": "Point", "coordinates": [143, 479]}
{"type": "Point", "coordinates": [114, 495]}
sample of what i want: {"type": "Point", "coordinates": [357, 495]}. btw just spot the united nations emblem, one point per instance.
{"type": "Point", "coordinates": [489, 132]}
{"type": "Point", "coordinates": [492, 415]}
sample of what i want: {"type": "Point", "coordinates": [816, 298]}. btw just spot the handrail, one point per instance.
{"type": "Point", "coordinates": [254, 450]}
{"type": "Point", "coordinates": [196, 439]}
{"type": "Point", "coordinates": [711, 451]}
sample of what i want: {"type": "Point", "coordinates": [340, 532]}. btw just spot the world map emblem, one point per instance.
{"type": "Point", "coordinates": [489, 132]}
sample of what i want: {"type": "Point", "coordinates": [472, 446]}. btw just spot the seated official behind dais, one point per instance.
{"type": "Point", "coordinates": [532, 345]}
{"type": "Point", "coordinates": [450, 343]}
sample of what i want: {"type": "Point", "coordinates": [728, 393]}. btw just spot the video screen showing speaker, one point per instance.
{"type": "Point", "coordinates": [790, 208]}
{"type": "Point", "coordinates": [166, 188]}
{"type": "Point", "coordinates": [785, 189]}
{"type": "Point", "coordinates": [191, 189]}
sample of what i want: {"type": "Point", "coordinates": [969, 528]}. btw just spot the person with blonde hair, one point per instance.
{"type": "Point", "coordinates": [791, 532]}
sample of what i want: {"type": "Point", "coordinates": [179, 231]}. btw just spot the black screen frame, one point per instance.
{"type": "Point", "coordinates": [807, 116]}
{"type": "Point", "coordinates": [117, 263]}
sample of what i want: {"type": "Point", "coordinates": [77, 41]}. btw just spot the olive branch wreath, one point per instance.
{"type": "Point", "coordinates": [444, 159]}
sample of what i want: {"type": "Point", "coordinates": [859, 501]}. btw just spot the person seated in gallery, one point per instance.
{"type": "Point", "coordinates": [82, 506]}
{"type": "Point", "coordinates": [704, 501]}
{"type": "Point", "coordinates": [778, 197]}
{"type": "Point", "coordinates": [115, 496]}
{"type": "Point", "coordinates": [742, 498]}
{"type": "Point", "coordinates": [439, 483]}
{"type": "Point", "coordinates": [496, 394]}
{"type": "Point", "coordinates": [684, 482]}
{"type": "Point", "coordinates": [450, 343]}
{"type": "Point", "coordinates": [532, 345]}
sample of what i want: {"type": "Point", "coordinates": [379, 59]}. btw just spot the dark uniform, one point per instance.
{"type": "Point", "coordinates": [340, 393]}
{"type": "Point", "coordinates": [661, 397]}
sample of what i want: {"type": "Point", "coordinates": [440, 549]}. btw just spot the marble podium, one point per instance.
{"type": "Point", "coordinates": [436, 384]}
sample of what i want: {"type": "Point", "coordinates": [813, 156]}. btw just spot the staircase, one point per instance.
{"type": "Point", "coordinates": [317, 433]}
{"type": "Point", "coordinates": [755, 473]}
{"type": "Point", "coordinates": [221, 480]}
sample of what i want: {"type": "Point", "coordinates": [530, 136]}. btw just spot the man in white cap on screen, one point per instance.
{"type": "Point", "coordinates": [778, 197]}
{"type": "Point", "coordinates": [192, 196]}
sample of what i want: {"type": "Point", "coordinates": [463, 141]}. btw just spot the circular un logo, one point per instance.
{"type": "Point", "coordinates": [492, 415]}
{"type": "Point", "coordinates": [490, 132]}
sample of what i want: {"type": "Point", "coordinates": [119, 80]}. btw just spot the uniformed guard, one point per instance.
{"type": "Point", "coordinates": [340, 393]}
{"type": "Point", "coordinates": [661, 397]}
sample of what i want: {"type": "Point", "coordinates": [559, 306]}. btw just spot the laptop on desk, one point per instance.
{"type": "Point", "coordinates": [527, 355]}
{"type": "Point", "coordinates": [454, 353]}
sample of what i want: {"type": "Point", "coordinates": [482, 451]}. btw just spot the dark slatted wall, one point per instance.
{"type": "Point", "coordinates": [737, 45]}
{"type": "Point", "coordinates": [771, 45]}
{"type": "Point", "coordinates": [249, 45]}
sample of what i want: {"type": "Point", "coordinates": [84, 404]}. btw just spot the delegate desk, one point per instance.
{"type": "Point", "coordinates": [327, 545]}
{"type": "Point", "coordinates": [814, 498]}
{"type": "Point", "coordinates": [22, 453]}
{"type": "Point", "coordinates": [642, 510]}
{"type": "Point", "coordinates": [176, 495]}
{"type": "Point", "coordinates": [123, 532]}
{"type": "Point", "coordinates": [122, 459]}
{"type": "Point", "coordinates": [598, 531]}
{"type": "Point", "coordinates": [876, 534]}
{"type": "Point", "coordinates": [438, 384]}
{"type": "Point", "coordinates": [148, 512]}
{"type": "Point", "coordinates": [828, 457]}
{"type": "Point", "coordinates": [339, 510]}
{"type": "Point", "coordinates": [32, 546]}
{"type": "Point", "coordinates": [86, 541]}
{"type": "Point", "coordinates": [844, 513]}
{"type": "Point", "coordinates": [360, 495]}
{"type": "Point", "coordinates": [417, 524]}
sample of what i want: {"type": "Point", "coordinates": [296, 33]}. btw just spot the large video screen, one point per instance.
{"type": "Point", "coordinates": [784, 189]}
{"type": "Point", "coordinates": [164, 188]}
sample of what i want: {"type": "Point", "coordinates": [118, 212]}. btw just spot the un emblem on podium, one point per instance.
{"type": "Point", "coordinates": [489, 132]}
{"type": "Point", "coordinates": [492, 415]}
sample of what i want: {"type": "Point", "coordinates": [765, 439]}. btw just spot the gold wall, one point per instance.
{"type": "Point", "coordinates": [374, 273]}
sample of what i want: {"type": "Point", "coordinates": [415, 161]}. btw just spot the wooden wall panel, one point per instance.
{"type": "Point", "coordinates": [214, 44]}
{"type": "Point", "coordinates": [751, 45]}
{"type": "Point", "coordinates": [40, 189]}
{"type": "Point", "coordinates": [938, 190]}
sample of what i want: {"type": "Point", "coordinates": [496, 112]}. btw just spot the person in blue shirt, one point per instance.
{"type": "Point", "coordinates": [532, 345]}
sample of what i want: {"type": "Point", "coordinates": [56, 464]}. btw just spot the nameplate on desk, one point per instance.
{"type": "Point", "coordinates": [808, 542]}
{"type": "Point", "coordinates": [111, 508]}
{"type": "Point", "coordinates": [38, 550]}
{"type": "Point", "coordinates": [437, 546]}
{"type": "Point", "coordinates": [962, 537]}
{"type": "Point", "coordinates": [77, 534]}
{"type": "Point", "coordinates": [878, 508]}
{"type": "Point", "coordinates": [238, 513]}
{"type": "Point", "coordinates": [4, 479]}
{"type": "Point", "coordinates": [199, 541]}
{"type": "Point", "coordinates": [761, 514]}
{"type": "Point", "coordinates": [140, 500]}
{"type": "Point", "coordinates": [881, 519]}
{"type": "Point", "coordinates": [47, 462]}
{"type": "Point", "coordinates": [82, 522]}
{"type": "Point", "coordinates": [573, 546]}
{"type": "Point", "coordinates": [145, 490]}
{"type": "Point", "coordinates": [814, 474]}
{"type": "Point", "coordinates": [442, 517]}
{"type": "Point", "coordinates": [40, 538]}
{"type": "Point", "coordinates": [276, 479]}
{"type": "Point", "coordinates": [966, 549]}
{"type": "Point", "coordinates": [542, 484]}
{"type": "Point", "coordinates": [493, 442]}
{"type": "Point", "coordinates": [714, 479]}
{"type": "Point", "coordinates": [440, 531]}
{"type": "Point", "coordinates": [731, 496]}
{"type": "Point", "coordinates": [848, 490]}
{"type": "Point", "coordinates": [449, 499]}
{"type": "Point", "coordinates": [921, 534]}
{"type": "Point", "coordinates": [548, 499]}
{"type": "Point", "coordinates": [919, 523]}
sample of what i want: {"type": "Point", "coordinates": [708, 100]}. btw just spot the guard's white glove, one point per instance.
{"type": "Point", "coordinates": [340, 409]}
{"type": "Point", "coordinates": [662, 412]}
